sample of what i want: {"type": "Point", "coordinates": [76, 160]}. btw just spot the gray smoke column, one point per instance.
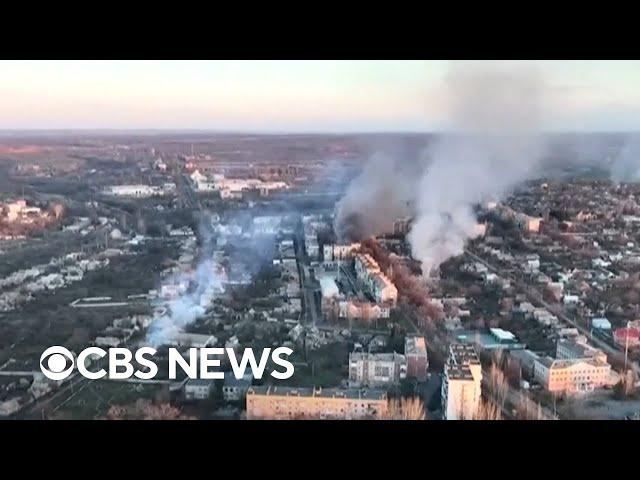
{"type": "Point", "coordinates": [495, 143]}
{"type": "Point", "coordinates": [384, 191]}
{"type": "Point", "coordinates": [625, 166]}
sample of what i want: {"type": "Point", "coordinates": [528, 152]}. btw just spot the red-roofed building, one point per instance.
{"type": "Point", "coordinates": [627, 336]}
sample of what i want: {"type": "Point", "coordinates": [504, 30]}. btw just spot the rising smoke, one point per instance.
{"type": "Point", "coordinates": [246, 251]}
{"type": "Point", "coordinates": [625, 165]}
{"type": "Point", "coordinates": [383, 192]}
{"type": "Point", "coordinates": [495, 142]}
{"type": "Point", "coordinates": [200, 287]}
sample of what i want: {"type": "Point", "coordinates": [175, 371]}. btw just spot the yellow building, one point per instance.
{"type": "Point", "coordinates": [573, 375]}
{"type": "Point", "coordinates": [287, 403]}
{"type": "Point", "coordinates": [461, 383]}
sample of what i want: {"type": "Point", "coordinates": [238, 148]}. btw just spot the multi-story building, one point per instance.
{"type": "Point", "coordinates": [288, 403]}
{"type": "Point", "coordinates": [198, 389]}
{"type": "Point", "coordinates": [627, 337]}
{"type": "Point", "coordinates": [415, 351]}
{"type": "Point", "coordinates": [573, 375]}
{"type": "Point", "coordinates": [356, 309]}
{"type": "Point", "coordinates": [311, 246]}
{"type": "Point", "coordinates": [339, 253]}
{"type": "Point", "coordinates": [567, 349]}
{"type": "Point", "coordinates": [383, 289]}
{"type": "Point", "coordinates": [376, 369]}
{"type": "Point", "coordinates": [461, 383]}
{"type": "Point", "coordinates": [377, 283]}
{"type": "Point", "coordinates": [140, 191]}
{"type": "Point", "coordinates": [365, 265]}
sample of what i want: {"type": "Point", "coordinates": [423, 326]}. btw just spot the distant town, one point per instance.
{"type": "Point", "coordinates": [195, 240]}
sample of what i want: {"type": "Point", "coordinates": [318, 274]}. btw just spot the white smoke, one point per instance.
{"type": "Point", "coordinates": [625, 166]}
{"type": "Point", "coordinates": [205, 285]}
{"type": "Point", "coordinates": [496, 143]}
{"type": "Point", "coordinates": [200, 288]}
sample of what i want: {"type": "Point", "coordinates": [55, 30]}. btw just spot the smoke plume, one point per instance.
{"type": "Point", "coordinates": [246, 247]}
{"type": "Point", "coordinates": [496, 143]}
{"type": "Point", "coordinates": [625, 165]}
{"type": "Point", "coordinates": [383, 192]}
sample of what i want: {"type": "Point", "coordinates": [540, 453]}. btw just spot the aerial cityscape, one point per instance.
{"type": "Point", "coordinates": [481, 262]}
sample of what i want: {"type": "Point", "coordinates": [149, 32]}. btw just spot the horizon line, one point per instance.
{"type": "Point", "coordinates": [151, 130]}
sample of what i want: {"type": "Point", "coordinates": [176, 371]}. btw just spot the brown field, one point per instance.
{"type": "Point", "coordinates": [22, 150]}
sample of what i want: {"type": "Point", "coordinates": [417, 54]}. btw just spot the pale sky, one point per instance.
{"type": "Point", "coordinates": [289, 96]}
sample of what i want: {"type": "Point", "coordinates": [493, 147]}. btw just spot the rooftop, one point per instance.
{"type": "Point", "coordinates": [460, 354]}
{"type": "Point", "coordinates": [328, 287]}
{"type": "Point", "coordinates": [351, 393]}
{"type": "Point", "coordinates": [459, 372]}
{"type": "Point", "coordinates": [553, 363]}
{"type": "Point", "coordinates": [503, 335]}
{"type": "Point", "coordinates": [375, 357]}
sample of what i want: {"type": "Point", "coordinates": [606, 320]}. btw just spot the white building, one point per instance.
{"type": "Point", "coordinates": [461, 383]}
{"type": "Point", "coordinates": [365, 265]}
{"type": "Point", "coordinates": [601, 323]}
{"type": "Point", "coordinates": [328, 287]}
{"type": "Point", "coordinates": [339, 253]}
{"type": "Point", "coordinates": [107, 341]}
{"type": "Point", "coordinates": [383, 289]}
{"type": "Point", "coordinates": [571, 299]}
{"type": "Point", "coordinates": [197, 340]}
{"type": "Point", "coordinates": [140, 191]}
{"type": "Point", "coordinates": [378, 284]}
{"type": "Point", "coordinates": [198, 389]}
{"type": "Point", "coordinates": [201, 182]}
{"type": "Point", "coordinates": [376, 369]}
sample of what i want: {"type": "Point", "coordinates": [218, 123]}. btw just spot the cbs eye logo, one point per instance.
{"type": "Point", "coordinates": [59, 365]}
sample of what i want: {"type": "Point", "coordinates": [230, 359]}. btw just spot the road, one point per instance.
{"type": "Point", "coordinates": [535, 297]}
{"type": "Point", "coordinates": [310, 307]}
{"type": "Point", "coordinates": [187, 196]}
{"type": "Point", "coordinates": [35, 409]}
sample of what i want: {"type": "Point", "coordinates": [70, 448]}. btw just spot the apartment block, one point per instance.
{"type": "Point", "coordinates": [376, 369]}
{"type": "Point", "coordinates": [461, 383]}
{"type": "Point", "coordinates": [287, 403]}
{"type": "Point", "coordinates": [415, 351]}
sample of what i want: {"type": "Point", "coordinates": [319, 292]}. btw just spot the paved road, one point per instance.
{"type": "Point", "coordinates": [187, 195]}
{"type": "Point", "coordinates": [310, 307]}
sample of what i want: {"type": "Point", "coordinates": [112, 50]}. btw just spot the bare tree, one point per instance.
{"type": "Point", "coordinates": [498, 386]}
{"type": "Point", "coordinates": [405, 409]}
{"type": "Point", "coordinates": [488, 410]}
{"type": "Point", "coordinates": [626, 387]}
{"type": "Point", "coordinates": [528, 410]}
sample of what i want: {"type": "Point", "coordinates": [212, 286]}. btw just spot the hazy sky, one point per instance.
{"type": "Point", "coordinates": [296, 96]}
